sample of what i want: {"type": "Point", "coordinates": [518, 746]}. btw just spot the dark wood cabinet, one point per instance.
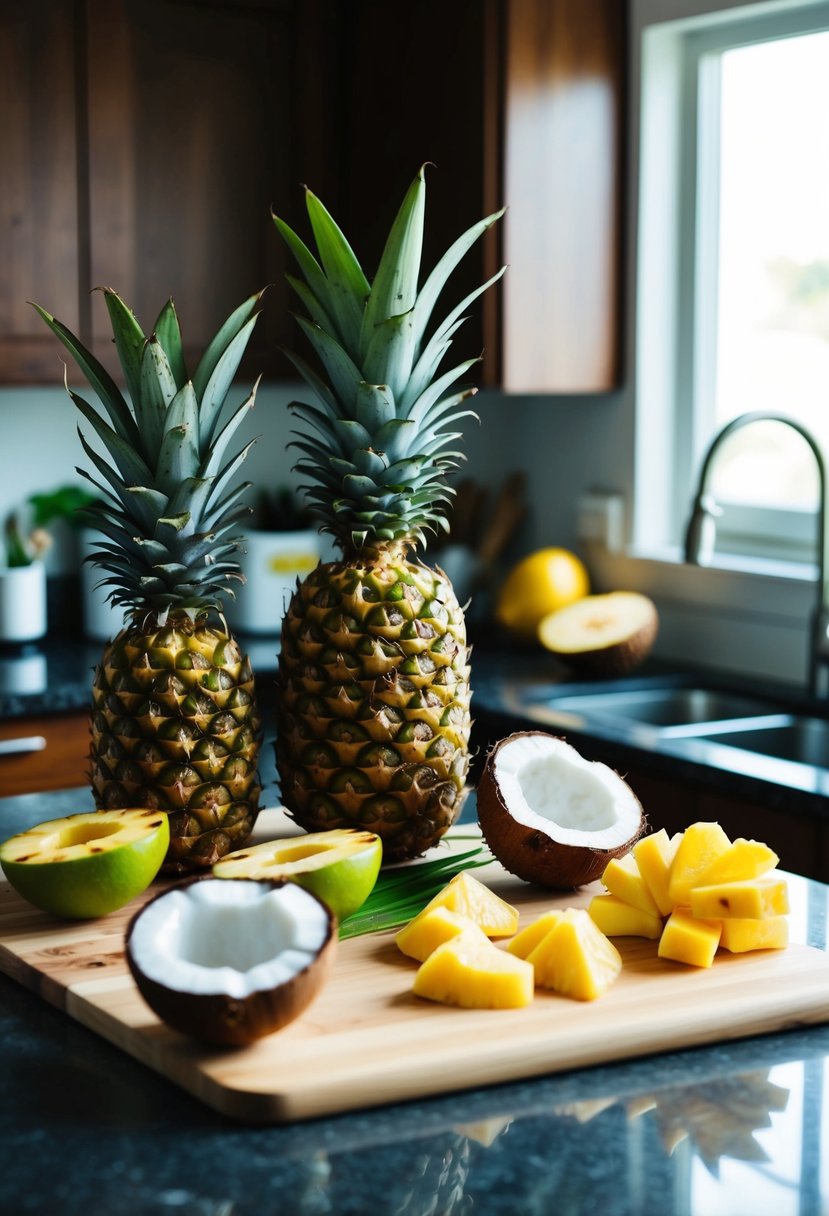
{"type": "Point", "coordinates": [61, 764]}
{"type": "Point", "coordinates": [149, 139]}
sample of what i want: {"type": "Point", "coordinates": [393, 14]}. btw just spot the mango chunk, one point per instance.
{"type": "Point", "coordinates": [742, 859]}
{"type": "Point", "coordinates": [701, 845]}
{"type": "Point", "coordinates": [654, 855]}
{"type": "Point", "coordinates": [473, 973]}
{"type": "Point", "coordinates": [523, 944]}
{"type": "Point", "coordinates": [688, 940]}
{"type": "Point", "coordinates": [615, 918]}
{"type": "Point", "coordinates": [623, 879]}
{"type": "Point", "coordinates": [469, 897]}
{"type": "Point", "coordinates": [431, 928]}
{"type": "Point", "coordinates": [754, 899]}
{"type": "Point", "coordinates": [740, 936]}
{"type": "Point", "coordinates": [575, 958]}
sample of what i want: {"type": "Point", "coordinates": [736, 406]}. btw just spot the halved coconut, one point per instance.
{"type": "Point", "coordinates": [603, 635]}
{"type": "Point", "coordinates": [552, 817]}
{"type": "Point", "coordinates": [230, 960]}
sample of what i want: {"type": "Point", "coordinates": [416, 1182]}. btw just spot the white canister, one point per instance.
{"type": "Point", "coordinates": [272, 562]}
{"type": "Point", "coordinates": [101, 622]}
{"type": "Point", "coordinates": [22, 602]}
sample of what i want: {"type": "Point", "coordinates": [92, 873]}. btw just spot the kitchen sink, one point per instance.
{"type": "Point", "coordinates": [802, 740]}
{"type": "Point", "coordinates": [664, 707]}
{"type": "Point", "coordinates": [723, 728]}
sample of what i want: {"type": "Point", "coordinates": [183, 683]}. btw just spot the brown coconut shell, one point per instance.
{"type": "Point", "coordinates": [537, 856]}
{"type": "Point", "coordinates": [227, 1021]}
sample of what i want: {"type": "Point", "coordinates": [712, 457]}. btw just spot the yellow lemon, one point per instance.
{"type": "Point", "coordinates": [539, 584]}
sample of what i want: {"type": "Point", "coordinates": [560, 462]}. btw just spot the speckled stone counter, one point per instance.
{"type": "Point", "coordinates": [739, 1130]}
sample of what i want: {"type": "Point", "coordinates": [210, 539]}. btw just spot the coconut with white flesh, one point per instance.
{"type": "Point", "coordinates": [552, 817]}
{"type": "Point", "coordinates": [230, 960]}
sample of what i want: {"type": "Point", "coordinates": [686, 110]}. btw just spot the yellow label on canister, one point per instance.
{"type": "Point", "coordinates": [293, 563]}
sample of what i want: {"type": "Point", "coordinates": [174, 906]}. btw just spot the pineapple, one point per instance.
{"type": "Point", "coordinates": [373, 700]}
{"type": "Point", "coordinates": [175, 724]}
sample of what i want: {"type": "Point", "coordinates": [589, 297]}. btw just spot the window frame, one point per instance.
{"type": "Point", "coordinates": [679, 129]}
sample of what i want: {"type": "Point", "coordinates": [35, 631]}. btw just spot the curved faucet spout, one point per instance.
{"type": "Point", "coordinates": [700, 535]}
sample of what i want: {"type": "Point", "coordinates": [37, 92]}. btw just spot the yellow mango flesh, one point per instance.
{"type": "Point", "coordinates": [685, 939]}
{"type": "Point", "coordinates": [469, 897]}
{"type": "Point", "coordinates": [742, 859]}
{"type": "Point", "coordinates": [654, 855]}
{"type": "Point", "coordinates": [575, 958]}
{"type": "Point", "coordinates": [740, 936]}
{"type": "Point", "coordinates": [754, 899]}
{"type": "Point", "coordinates": [523, 944]}
{"type": "Point", "coordinates": [615, 918]}
{"type": "Point", "coordinates": [474, 974]}
{"type": "Point", "coordinates": [623, 879]}
{"type": "Point", "coordinates": [431, 928]}
{"type": "Point", "coordinates": [701, 845]}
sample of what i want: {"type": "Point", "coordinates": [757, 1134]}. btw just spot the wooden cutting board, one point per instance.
{"type": "Point", "coordinates": [367, 1040]}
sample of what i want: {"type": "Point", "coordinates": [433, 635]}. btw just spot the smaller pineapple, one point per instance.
{"type": "Point", "coordinates": [175, 723]}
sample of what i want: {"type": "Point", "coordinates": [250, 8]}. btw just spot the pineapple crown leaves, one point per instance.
{"type": "Point", "coordinates": [168, 503]}
{"type": "Point", "coordinates": [375, 446]}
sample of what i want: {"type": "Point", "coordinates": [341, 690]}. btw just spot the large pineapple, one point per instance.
{"type": "Point", "coordinates": [373, 712]}
{"type": "Point", "coordinates": [175, 724]}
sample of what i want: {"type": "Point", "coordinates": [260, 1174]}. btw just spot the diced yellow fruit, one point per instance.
{"type": "Point", "coordinates": [473, 973]}
{"type": "Point", "coordinates": [742, 859]}
{"type": "Point", "coordinates": [469, 897]}
{"type": "Point", "coordinates": [623, 879]}
{"type": "Point", "coordinates": [688, 940]}
{"type": "Point", "coordinates": [754, 899]}
{"type": "Point", "coordinates": [523, 944]}
{"type": "Point", "coordinates": [615, 918]}
{"type": "Point", "coordinates": [701, 845]}
{"type": "Point", "coordinates": [431, 928]}
{"type": "Point", "coordinates": [575, 958]}
{"type": "Point", "coordinates": [740, 936]}
{"type": "Point", "coordinates": [654, 855]}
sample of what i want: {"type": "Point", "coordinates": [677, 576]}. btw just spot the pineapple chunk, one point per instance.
{"type": "Point", "coordinates": [754, 899]}
{"type": "Point", "coordinates": [471, 972]}
{"type": "Point", "coordinates": [654, 855]}
{"type": "Point", "coordinates": [688, 940]}
{"type": "Point", "coordinates": [742, 859]}
{"type": "Point", "coordinates": [623, 879]}
{"type": "Point", "coordinates": [701, 845]}
{"type": "Point", "coordinates": [523, 944]}
{"type": "Point", "coordinates": [431, 928]}
{"type": "Point", "coordinates": [616, 918]}
{"type": "Point", "coordinates": [469, 897]}
{"type": "Point", "coordinates": [575, 958]}
{"type": "Point", "coordinates": [740, 936]}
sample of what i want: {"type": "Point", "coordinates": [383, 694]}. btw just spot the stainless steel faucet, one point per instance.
{"type": "Point", "coordinates": [701, 534]}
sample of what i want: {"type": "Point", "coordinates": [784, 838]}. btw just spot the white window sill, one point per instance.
{"type": "Point", "coordinates": [741, 615]}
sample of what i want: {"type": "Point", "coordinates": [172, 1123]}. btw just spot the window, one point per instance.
{"type": "Point", "coordinates": [733, 270]}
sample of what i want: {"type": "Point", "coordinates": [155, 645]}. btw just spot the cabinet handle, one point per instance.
{"type": "Point", "coordinates": [28, 743]}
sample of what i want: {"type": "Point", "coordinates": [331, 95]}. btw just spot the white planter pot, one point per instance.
{"type": "Point", "coordinates": [22, 602]}
{"type": "Point", "coordinates": [101, 621]}
{"type": "Point", "coordinates": [271, 563]}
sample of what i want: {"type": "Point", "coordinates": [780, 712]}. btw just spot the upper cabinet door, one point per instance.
{"type": "Point", "coordinates": [39, 252]}
{"type": "Point", "coordinates": [194, 122]}
{"type": "Point", "coordinates": [562, 174]}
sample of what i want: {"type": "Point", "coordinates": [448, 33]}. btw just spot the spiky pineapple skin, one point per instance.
{"type": "Point", "coordinates": [176, 725]}
{"type": "Point", "coordinates": [373, 706]}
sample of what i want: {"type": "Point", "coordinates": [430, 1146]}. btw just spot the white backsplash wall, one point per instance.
{"type": "Point", "coordinates": [566, 445]}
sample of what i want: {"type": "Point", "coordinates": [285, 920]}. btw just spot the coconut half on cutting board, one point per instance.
{"type": "Point", "coordinates": [552, 817]}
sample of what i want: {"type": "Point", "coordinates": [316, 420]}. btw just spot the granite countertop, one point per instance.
{"type": "Point", "coordinates": [738, 1128]}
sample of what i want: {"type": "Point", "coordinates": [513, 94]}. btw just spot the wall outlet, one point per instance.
{"type": "Point", "coordinates": [601, 520]}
